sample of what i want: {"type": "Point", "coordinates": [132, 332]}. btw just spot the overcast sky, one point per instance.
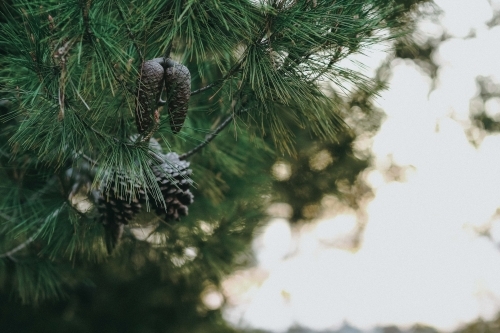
{"type": "Point", "coordinates": [421, 258]}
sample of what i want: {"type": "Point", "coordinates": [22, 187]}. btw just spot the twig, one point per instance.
{"type": "Point", "coordinates": [130, 33]}
{"type": "Point", "coordinates": [86, 20]}
{"type": "Point", "coordinates": [166, 55]}
{"type": "Point", "coordinates": [21, 246]}
{"type": "Point", "coordinates": [212, 135]}
{"type": "Point", "coordinates": [102, 135]}
{"type": "Point", "coordinates": [92, 128]}
{"type": "Point", "coordinates": [80, 96]}
{"type": "Point", "coordinates": [217, 82]}
{"type": "Point", "coordinates": [61, 54]}
{"type": "Point", "coordinates": [18, 248]}
{"type": "Point", "coordinates": [50, 184]}
{"type": "Point", "coordinates": [332, 61]}
{"type": "Point", "coordinates": [3, 153]}
{"type": "Point", "coordinates": [85, 157]}
{"type": "Point", "coordinates": [233, 70]}
{"type": "Point", "coordinates": [7, 217]}
{"type": "Point", "coordinates": [33, 54]}
{"type": "Point", "coordinates": [88, 32]}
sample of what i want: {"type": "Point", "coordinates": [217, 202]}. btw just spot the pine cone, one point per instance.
{"type": "Point", "coordinates": [149, 87]}
{"type": "Point", "coordinates": [174, 182]}
{"type": "Point", "coordinates": [178, 86]}
{"type": "Point", "coordinates": [117, 210]}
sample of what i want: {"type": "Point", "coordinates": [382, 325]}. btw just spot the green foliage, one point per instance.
{"type": "Point", "coordinates": [482, 326]}
{"type": "Point", "coordinates": [68, 87]}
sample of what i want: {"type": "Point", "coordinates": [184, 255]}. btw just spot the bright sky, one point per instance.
{"type": "Point", "coordinates": [421, 259]}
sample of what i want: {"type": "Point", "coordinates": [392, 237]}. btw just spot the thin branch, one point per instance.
{"type": "Point", "coordinates": [102, 135]}
{"type": "Point", "coordinates": [61, 55]}
{"type": "Point", "coordinates": [86, 19]}
{"type": "Point", "coordinates": [166, 55]}
{"type": "Point", "coordinates": [332, 61]}
{"type": "Point", "coordinates": [130, 33]}
{"type": "Point", "coordinates": [80, 96]}
{"type": "Point", "coordinates": [86, 157]}
{"type": "Point", "coordinates": [49, 185]}
{"type": "Point", "coordinates": [3, 153]}
{"type": "Point", "coordinates": [212, 135]}
{"type": "Point", "coordinates": [18, 248]}
{"type": "Point", "coordinates": [32, 53]}
{"type": "Point", "coordinates": [98, 133]}
{"type": "Point", "coordinates": [21, 246]}
{"type": "Point", "coordinates": [7, 217]}
{"type": "Point", "coordinates": [232, 71]}
{"type": "Point", "coordinates": [217, 82]}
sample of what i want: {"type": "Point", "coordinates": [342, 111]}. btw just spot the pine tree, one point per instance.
{"type": "Point", "coordinates": [137, 136]}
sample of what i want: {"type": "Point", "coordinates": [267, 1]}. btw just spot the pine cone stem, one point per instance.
{"type": "Point", "coordinates": [212, 135]}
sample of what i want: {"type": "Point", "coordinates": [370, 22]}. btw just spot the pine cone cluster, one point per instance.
{"type": "Point", "coordinates": [155, 76]}
{"type": "Point", "coordinates": [116, 209]}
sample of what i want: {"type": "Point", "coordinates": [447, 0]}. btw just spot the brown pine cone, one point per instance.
{"type": "Point", "coordinates": [174, 182]}
{"type": "Point", "coordinates": [149, 87]}
{"type": "Point", "coordinates": [178, 86]}
{"type": "Point", "coordinates": [117, 209]}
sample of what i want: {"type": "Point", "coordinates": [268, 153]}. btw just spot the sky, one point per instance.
{"type": "Point", "coordinates": [422, 258]}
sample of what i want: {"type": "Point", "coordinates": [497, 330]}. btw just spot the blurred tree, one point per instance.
{"type": "Point", "coordinates": [93, 202]}
{"type": "Point", "coordinates": [482, 326]}
{"type": "Point", "coordinates": [482, 118]}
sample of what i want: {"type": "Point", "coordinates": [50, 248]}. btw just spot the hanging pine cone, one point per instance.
{"type": "Point", "coordinates": [116, 209]}
{"type": "Point", "coordinates": [174, 182]}
{"type": "Point", "coordinates": [178, 86]}
{"type": "Point", "coordinates": [149, 87]}
{"type": "Point", "coordinates": [177, 79]}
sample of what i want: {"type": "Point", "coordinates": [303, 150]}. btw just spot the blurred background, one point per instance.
{"type": "Point", "coordinates": [392, 227]}
{"type": "Point", "coordinates": [419, 251]}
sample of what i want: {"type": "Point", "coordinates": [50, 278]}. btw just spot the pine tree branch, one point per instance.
{"type": "Point", "coordinates": [166, 55]}
{"type": "Point", "coordinates": [86, 157]}
{"type": "Point", "coordinates": [37, 67]}
{"type": "Point", "coordinates": [18, 248]}
{"type": "Point", "coordinates": [212, 135]}
{"type": "Point", "coordinates": [332, 61]}
{"type": "Point", "coordinates": [49, 185]}
{"type": "Point", "coordinates": [233, 70]}
{"type": "Point", "coordinates": [7, 217]}
{"type": "Point", "coordinates": [86, 19]}
{"type": "Point", "coordinates": [130, 33]}
{"type": "Point", "coordinates": [61, 55]}
{"type": "Point", "coordinates": [98, 133]}
{"type": "Point", "coordinates": [89, 34]}
{"type": "Point", "coordinates": [102, 135]}
{"type": "Point", "coordinates": [9, 254]}
{"type": "Point", "coordinates": [4, 154]}
{"type": "Point", "coordinates": [217, 82]}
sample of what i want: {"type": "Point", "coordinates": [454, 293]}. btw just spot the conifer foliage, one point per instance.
{"type": "Point", "coordinates": [107, 100]}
